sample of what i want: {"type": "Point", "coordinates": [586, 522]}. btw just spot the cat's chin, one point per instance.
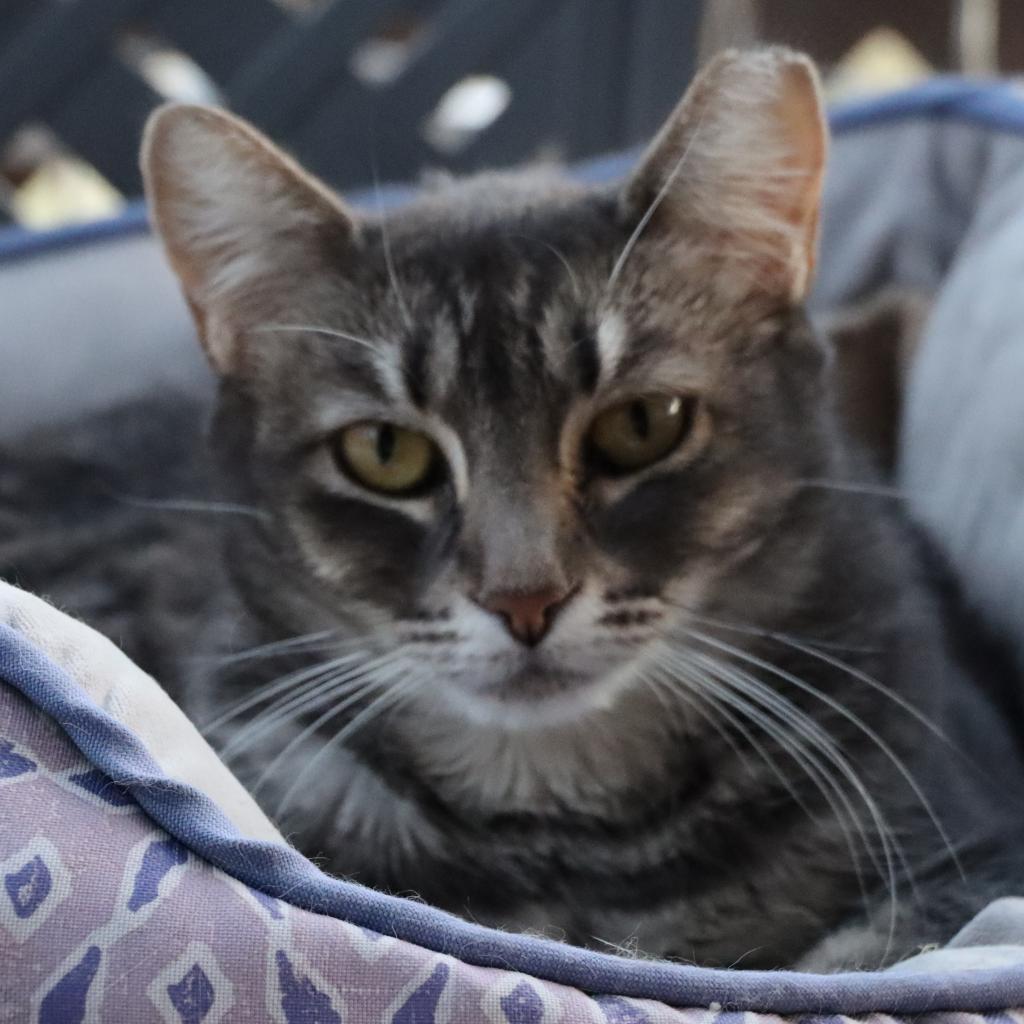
{"type": "Point", "coordinates": [539, 697]}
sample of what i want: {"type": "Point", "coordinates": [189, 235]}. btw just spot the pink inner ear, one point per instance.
{"type": "Point", "coordinates": [241, 222]}
{"type": "Point", "coordinates": [780, 239]}
{"type": "Point", "coordinates": [801, 117]}
{"type": "Point", "coordinates": [739, 167]}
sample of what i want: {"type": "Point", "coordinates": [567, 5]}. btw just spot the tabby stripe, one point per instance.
{"type": "Point", "coordinates": [586, 357]}
{"type": "Point", "coordinates": [414, 367]}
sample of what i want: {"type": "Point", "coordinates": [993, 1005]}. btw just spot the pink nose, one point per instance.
{"type": "Point", "coordinates": [528, 614]}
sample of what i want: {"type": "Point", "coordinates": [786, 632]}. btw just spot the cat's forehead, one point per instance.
{"type": "Point", "coordinates": [491, 292]}
{"type": "Point", "coordinates": [496, 302]}
{"type": "Point", "coordinates": [543, 249]}
{"type": "Point", "coordinates": [490, 230]}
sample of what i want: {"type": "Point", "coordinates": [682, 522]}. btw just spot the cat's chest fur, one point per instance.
{"type": "Point", "coordinates": [600, 833]}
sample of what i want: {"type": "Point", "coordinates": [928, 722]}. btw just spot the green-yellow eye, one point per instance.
{"type": "Point", "coordinates": [385, 457]}
{"type": "Point", "coordinates": [634, 434]}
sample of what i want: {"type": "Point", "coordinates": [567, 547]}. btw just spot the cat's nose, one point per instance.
{"type": "Point", "coordinates": [528, 614]}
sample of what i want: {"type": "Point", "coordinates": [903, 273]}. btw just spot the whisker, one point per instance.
{"type": "Point", "coordinates": [818, 649]}
{"type": "Point", "coordinates": [810, 730]}
{"type": "Point", "coordinates": [288, 682]}
{"type": "Point", "coordinates": [854, 487]}
{"type": "Point", "coordinates": [708, 688]}
{"type": "Point", "coordinates": [560, 256]}
{"type": "Point", "coordinates": [691, 697]}
{"type": "Point", "coordinates": [803, 729]}
{"type": "Point", "coordinates": [377, 347]}
{"type": "Point", "coordinates": [695, 694]}
{"type": "Point", "coordinates": [352, 695]}
{"type": "Point", "coordinates": [325, 687]}
{"type": "Point", "coordinates": [853, 719]}
{"type": "Point", "coordinates": [282, 647]}
{"type": "Point", "coordinates": [659, 198]}
{"type": "Point", "coordinates": [770, 634]}
{"type": "Point", "coordinates": [190, 505]}
{"type": "Point", "coordinates": [386, 701]}
{"type": "Point", "coordinates": [833, 795]}
{"type": "Point", "coordinates": [285, 708]}
{"type": "Point", "coordinates": [324, 718]}
{"type": "Point", "coordinates": [388, 259]}
{"type": "Point", "coordinates": [318, 684]}
{"type": "Point", "coordinates": [901, 702]}
{"type": "Point", "coordinates": [712, 669]}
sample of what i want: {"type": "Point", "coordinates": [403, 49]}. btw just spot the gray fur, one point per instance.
{"type": "Point", "coordinates": [598, 786]}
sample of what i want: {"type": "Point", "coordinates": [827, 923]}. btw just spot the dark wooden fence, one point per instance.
{"type": "Point", "coordinates": [583, 76]}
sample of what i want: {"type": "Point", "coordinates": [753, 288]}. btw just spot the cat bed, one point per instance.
{"type": "Point", "coordinates": [138, 881]}
{"type": "Point", "coordinates": [128, 895]}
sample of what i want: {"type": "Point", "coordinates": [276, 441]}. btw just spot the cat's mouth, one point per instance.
{"type": "Point", "coordinates": [536, 682]}
{"type": "Point", "coordinates": [538, 694]}
{"type": "Point", "coordinates": [544, 682]}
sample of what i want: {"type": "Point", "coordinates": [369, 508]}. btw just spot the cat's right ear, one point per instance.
{"type": "Point", "coordinates": [736, 171]}
{"type": "Point", "coordinates": [241, 222]}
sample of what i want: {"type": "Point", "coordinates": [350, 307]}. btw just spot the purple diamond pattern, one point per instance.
{"type": "Point", "coordinates": [523, 1005]}
{"type": "Point", "coordinates": [159, 858]}
{"type": "Point", "coordinates": [193, 996]}
{"type": "Point", "coordinates": [65, 1002]}
{"type": "Point", "coordinates": [421, 1006]}
{"type": "Point", "coordinates": [29, 887]}
{"type": "Point", "coordinates": [13, 764]}
{"type": "Point", "coordinates": [621, 1011]}
{"type": "Point", "coordinates": [95, 782]}
{"type": "Point", "coordinates": [301, 1001]}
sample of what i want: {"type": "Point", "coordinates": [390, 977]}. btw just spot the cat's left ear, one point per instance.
{"type": "Point", "coordinates": [245, 228]}
{"type": "Point", "coordinates": [737, 169]}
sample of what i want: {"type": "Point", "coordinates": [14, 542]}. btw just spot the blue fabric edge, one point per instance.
{"type": "Point", "coordinates": [283, 873]}
{"type": "Point", "coordinates": [997, 105]}
{"type": "Point", "coordinates": [987, 103]}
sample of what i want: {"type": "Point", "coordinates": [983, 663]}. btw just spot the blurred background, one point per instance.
{"type": "Point", "coordinates": [367, 91]}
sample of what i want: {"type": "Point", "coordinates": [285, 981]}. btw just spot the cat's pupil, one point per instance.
{"type": "Point", "coordinates": [640, 420]}
{"type": "Point", "coordinates": [385, 442]}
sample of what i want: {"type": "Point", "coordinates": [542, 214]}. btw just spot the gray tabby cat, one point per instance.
{"type": "Point", "coordinates": [544, 588]}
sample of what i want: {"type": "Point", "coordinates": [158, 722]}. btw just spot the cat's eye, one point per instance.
{"type": "Point", "coordinates": [386, 457]}
{"type": "Point", "coordinates": [639, 432]}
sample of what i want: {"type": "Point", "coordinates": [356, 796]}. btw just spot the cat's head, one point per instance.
{"type": "Point", "coordinates": [514, 433]}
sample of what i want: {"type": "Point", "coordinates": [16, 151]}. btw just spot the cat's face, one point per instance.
{"type": "Point", "coordinates": [512, 436]}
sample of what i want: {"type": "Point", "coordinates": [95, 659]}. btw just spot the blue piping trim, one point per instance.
{"type": "Point", "coordinates": [989, 104]}
{"type": "Point", "coordinates": [18, 243]}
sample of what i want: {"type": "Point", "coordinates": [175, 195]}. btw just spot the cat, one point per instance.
{"type": "Point", "coordinates": [533, 572]}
